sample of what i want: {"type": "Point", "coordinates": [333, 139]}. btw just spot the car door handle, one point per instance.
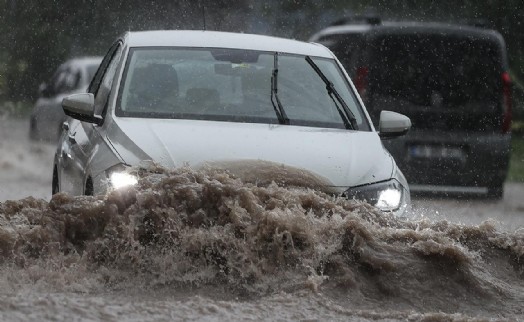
{"type": "Point", "coordinates": [66, 156]}
{"type": "Point", "coordinates": [71, 138]}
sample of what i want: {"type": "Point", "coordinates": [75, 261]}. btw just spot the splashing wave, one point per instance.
{"type": "Point", "coordinates": [210, 229]}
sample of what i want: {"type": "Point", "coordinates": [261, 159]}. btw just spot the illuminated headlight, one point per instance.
{"type": "Point", "coordinates": [386, 196]}
{"type": "Point", "coordinates": [119, 177]}
{"type": "Point", "coordinates": [122, 179]}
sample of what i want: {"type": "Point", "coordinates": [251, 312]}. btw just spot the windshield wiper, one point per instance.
{"type": "Point", "coordinates": [279, 110]}
{"type": "Point", "coordinates": [350, 122]}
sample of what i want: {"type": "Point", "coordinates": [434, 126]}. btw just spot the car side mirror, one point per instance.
{"type": "Point", "coordinates": [81, 107]}
{"type": "Point", "coordinates": [393, 124]}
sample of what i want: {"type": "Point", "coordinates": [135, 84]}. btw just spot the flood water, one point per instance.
{"type": "Point", "coordinates": [205, 245]}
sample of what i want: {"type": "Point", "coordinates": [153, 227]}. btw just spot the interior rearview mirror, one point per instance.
{"type": "Point", "coordinates": [232, 69]}
{"type": "Point", "coordinates": [393, 124]}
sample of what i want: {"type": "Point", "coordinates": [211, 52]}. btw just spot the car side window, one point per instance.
{"type": "Point", "coordinates": [106, 79]}
{"type": "Point", "coordinates": [56, 82]}
{"type": "Point", "coordinates": [97, 79]}
{"type": "Point", "coordinates": [67, 81]}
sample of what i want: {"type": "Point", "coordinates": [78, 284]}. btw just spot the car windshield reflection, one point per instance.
{"type": "Point", "coordinates": [231, 85]}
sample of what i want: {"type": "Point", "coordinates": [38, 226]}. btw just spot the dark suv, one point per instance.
{"type": "Point", "coordinates": [451, 80]}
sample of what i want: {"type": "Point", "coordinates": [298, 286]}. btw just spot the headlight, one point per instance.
{"type": "Point", "coordinates": [386, 196]}
{"type": "Point", "coordinates": [120, 177]}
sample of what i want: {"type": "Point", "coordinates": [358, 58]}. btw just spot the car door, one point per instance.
{"type": "Point", "coordinates": [69, 171]}
{"type": "Point", "coordinates": [84, 138]}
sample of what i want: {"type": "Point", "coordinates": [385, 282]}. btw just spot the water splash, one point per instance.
{"type": "Point", "coordinates": [209, 229]}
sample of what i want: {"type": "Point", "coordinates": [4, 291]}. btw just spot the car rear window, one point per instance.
{"type": "Point", "coordinates": [436, 69]}
{"type": "Point", "coordinates": [345, 47]}
{"type": "Point", "coordinates": [439, 80]}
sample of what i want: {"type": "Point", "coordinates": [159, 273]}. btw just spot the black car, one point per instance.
{"type": "Point", "coordinates": [451, 80]}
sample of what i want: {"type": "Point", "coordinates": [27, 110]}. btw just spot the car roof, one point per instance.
{"type": "Point", "coordinates": [217, 39]}
{"type": "Point", "coordinates": [85, 61]}
{"type": "Point", "coordinates": [341, 30]}
{"type": "Point", "coordinates": [403, 27]}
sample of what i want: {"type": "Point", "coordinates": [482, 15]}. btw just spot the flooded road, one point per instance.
{"type": "Point", "coordinates": [25, 166]}
{"type": "Point", "coordinates": [188, 245]}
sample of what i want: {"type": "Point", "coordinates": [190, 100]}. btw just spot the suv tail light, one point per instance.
{"type": "Point", "coordinates": [361, 82]}
{"type": "Point", "coordinates": [506, 102]}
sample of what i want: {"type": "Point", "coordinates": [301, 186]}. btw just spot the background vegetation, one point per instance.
{"type": "Point", "coordinates": [37, 35]}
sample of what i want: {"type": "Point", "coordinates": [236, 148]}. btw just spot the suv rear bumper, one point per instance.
{"type": "Point", "coordinates": [455, 159]}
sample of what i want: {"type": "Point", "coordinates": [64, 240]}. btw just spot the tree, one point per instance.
{"type": "Point", "coordinates": [42, 34]}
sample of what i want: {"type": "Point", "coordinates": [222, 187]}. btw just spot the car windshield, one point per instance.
{"type": "Point", "coordinates": [232, 85]}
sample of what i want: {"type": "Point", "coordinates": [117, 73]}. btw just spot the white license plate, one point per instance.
{"type": "Point", "coordinates": [433, 151]}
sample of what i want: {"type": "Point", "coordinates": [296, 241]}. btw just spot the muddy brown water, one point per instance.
{"type": "Point", "coordinates": [204, 245]}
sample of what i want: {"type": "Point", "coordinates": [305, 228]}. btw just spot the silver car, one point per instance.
{"type": "Point", "coordinates": [73, 76]}
{"type": "Point", "coordinates": [200, 97]}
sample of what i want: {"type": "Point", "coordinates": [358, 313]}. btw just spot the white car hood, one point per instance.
{"type": "Point", "coordinates": [343, 158]}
